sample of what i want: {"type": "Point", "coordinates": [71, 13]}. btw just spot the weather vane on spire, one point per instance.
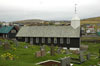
{"type": "Point", "coordinates": [75, 8]}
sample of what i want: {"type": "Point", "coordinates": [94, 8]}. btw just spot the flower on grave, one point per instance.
{"type": "Point", "coordinates": [8, 56]}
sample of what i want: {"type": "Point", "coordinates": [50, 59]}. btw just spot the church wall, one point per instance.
{"type": "Point", "coordinates": [65, 42]}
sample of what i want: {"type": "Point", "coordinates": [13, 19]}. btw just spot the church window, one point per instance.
{"type": "Point", "coordinates": [68, 40]}
{"type": "Point", "coordinates": [55, 40]}
{"type": "Point", "coordinates": [49, 40]}
{"type": "Point", "coordinates": [43, 40]}
{"type": "Point", "coordinates": [61, 40]}
{"type": "Point", "coordinates": [37, 40]}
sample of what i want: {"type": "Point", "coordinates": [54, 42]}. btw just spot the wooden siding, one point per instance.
{"type": "Point", "coordinates": [74, 42]}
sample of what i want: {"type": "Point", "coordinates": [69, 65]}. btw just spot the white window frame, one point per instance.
{"type": "Point", "coordinates": [55, 40]}
{"type": "Point", "coordinates": [37, 40]}
{"type": "Point", "coordinates": [31, 40]}
{"type": "Point", "coordinates": [43, 40]}
{"type": "Point", "coordinates": [68, 40]}
{"type": "Point", "coordinates": [61, 41]}
{"type": "Point", "coordinates": [26, 39]}
{"type": "Point", "coordinates": [49, 40]}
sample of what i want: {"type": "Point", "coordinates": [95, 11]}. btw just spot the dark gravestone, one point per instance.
{"type": "Point", "coordinates": [0, 43]}
{"type": "Point", "coordinates": [99, 53]}
{"type": "Point", "coordinates": [52, 50]}
{"type": "Point", "coordinates": [65, 61]}
{"type": "Point", "coordinates": [81, 57]}
{"type": "Point", "coordinates": [88, 56]}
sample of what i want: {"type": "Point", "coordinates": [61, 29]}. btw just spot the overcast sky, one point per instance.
{"type": "Point", "coordinates": [13, 10]}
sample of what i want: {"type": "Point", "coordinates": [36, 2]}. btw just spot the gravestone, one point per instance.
{"type": "Point", "coordinates": [75, 51]}
{"type": "Point", "coordinates": [59, 50]}
{"type": "Point", "coordinates": [65, 61]}
{"type": "Point", "coordinates": [52, 50]}
{"type": "Point", "coordinates": [88, 56]}
{"type": "Point", "coordinates": [38, 54]}
{"type": "Point", "coordinates": [84, 47]}
{"type": "Point", "coordinates": [99, 53]}
{"type": "Point", "coordinates": [16, 42]}
{"type": "Point", "coordinates": [81, 57]}
{"type": "Point", "coordinates": [6, 45]}
{"type": "Point", "coordinates": [43, 53]}
{"type": "Point", "coordinates": [67, 51]}
{"type": "Point", "coordinates": [0, 43]}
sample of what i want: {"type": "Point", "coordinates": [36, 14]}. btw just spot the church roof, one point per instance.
{"type": "Point", "coordinates": [48, 31]}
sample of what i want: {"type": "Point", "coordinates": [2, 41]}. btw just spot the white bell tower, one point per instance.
{"type": "Point", "coordinates": [75, 22]}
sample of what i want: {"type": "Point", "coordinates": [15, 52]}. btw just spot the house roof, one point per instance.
{"type": "Point", "coordinates": [6, 29]}
{"type": "Point", "coordinates": [48, 31]}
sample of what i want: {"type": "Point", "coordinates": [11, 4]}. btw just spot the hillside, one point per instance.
{"type": "Point", "coordinates": [29, 21]}
{"type": "Point", "coordinates": [92, 19]}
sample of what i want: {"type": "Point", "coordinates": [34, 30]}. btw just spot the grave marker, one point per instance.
{"type": "Point", "coordinates": [38, 54]}
{"type": "Point", "coordinates": [99, 53]}
{"type": "Point", "coordinates": [81, 57]}
{"type": "Point", "coordinates": [6, 45]}
{"type": "Point", "coordinates": [16, 42]}
{"type": "Point", "coordinates": [43, 53]}
{"type": "Point", "coordinates": [0, 43]}
{"type": "Point", "coordinates": [67, 51]}
{"type": "Point", "coordinates": [59, 50]}
{"type": "Point", "coordinates": [65, 61]}
{"type": "Point", "coordinates": [88, 56]}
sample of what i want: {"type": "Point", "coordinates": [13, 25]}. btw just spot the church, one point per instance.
{"type": "Point", "coordinates": [64, 36]}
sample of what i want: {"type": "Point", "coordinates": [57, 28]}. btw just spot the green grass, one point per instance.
{"type": "Point", "coordinates": [26, 57]}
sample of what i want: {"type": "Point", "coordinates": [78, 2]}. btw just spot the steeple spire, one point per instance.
{"type": "Point", "coordinates": [75, 22]}
{"type": "Point", "coordinates": [75, 9]}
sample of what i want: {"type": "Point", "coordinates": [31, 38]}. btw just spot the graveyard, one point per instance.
{"type": "Point", "coordinates": [15, 53]}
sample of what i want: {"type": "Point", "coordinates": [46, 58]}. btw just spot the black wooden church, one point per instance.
{"type": "Point", "coordinates": [65, 36]}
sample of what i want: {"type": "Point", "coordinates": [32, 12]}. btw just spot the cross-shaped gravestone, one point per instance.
{"type": "Point", "coordinates": [88, 56]}
{"type": "Point", "coordinates": [81, 57]}
{"type": "Point", "coordinates": [65, 61]}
